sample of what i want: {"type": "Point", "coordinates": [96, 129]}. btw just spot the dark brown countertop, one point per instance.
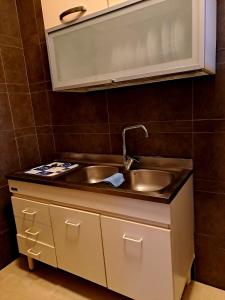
{"type": "Point", "coordinates": [181, 170]}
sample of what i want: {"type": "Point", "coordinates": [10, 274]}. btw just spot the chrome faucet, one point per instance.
{"type": "Point", "coordinates": [127, 160]}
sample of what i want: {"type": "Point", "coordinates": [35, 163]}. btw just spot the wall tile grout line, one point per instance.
{"type": "Point", "coordinates": [28, 85]}
{"type": "Point", "coordinates": [192, 123]}
{"type": "Point", "coordinates": [108, 120]}
{"type": "Point", "coordinates": [51, 117]}
{"type": "Point", "coordinates": [13, 123]}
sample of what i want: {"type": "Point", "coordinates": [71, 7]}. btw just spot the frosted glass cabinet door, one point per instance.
{"type": "Point", "coordinates": [53, 8]}
{"type": "Point", "coordinates": [154, 37]}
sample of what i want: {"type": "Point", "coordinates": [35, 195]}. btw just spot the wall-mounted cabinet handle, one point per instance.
{"type": "Point", "coordinates": [67, 222]}
{"type": "Point", "coordinates": [80, 9]}
{"type": "Point", "coordinates": [29, 251]}
{"type": "Point", "coordinates": [27, 212]}
{"type": "Point", "coordinates": [32, 233]}
{"type": "Point", "coordinates": [139, 241]}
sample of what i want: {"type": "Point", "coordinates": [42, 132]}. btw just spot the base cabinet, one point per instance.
{"type": "Point", "coordinates": [138, 259]}
{"type": "Point", "coordinates": [78, 243]}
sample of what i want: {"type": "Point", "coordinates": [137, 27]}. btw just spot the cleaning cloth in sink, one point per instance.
{"type": "Point", "coordinates": [116, 179]}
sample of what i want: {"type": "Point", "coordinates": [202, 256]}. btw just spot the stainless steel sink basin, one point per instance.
{"type": "Point", "coordinates": [95, 174]}
{"type": "Point", "coordinates": [91, 174]}
{"type": "Point", "coordinates": [144, 180]}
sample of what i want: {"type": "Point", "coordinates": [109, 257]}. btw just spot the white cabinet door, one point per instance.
{"type": "Point", "coordinates": [53, 8]}
{"type": "Point", "coordinates": [78, 243]}
{"type": "Point", "coordinates": [138, 259]}
{"type": "Point", "coordinates": [148, 39]}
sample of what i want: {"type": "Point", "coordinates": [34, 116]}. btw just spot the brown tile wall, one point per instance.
{"type": "Point", "coordinates": [22, 129]}
{"type": "Point", "coordinates": [33, 39]}
{"type": "Point", "coordinates": [186, 118]}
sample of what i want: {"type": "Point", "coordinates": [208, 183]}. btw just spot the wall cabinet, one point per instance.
{"type": "Point", "coordinates": [140, 249]}
{"type": "Point", "coordinates": [52, 9]}
{"type": "Point", "coordinates": [147, 41]}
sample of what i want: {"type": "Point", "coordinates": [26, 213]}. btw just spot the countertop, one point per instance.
{"type": "Point", "coordinates": [180, 168]}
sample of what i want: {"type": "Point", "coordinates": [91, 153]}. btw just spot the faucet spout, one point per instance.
{"type": "Point", "coordinates": [127, 161]}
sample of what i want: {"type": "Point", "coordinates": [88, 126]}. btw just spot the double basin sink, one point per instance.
{"type": "Point", "coordinates": [142, 180]}
{"type": "Point", "coordinates": [153, 179]}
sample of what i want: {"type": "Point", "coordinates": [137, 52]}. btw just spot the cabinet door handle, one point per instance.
{"type": "Point", "coordinates": [67, 12]}
{"type": "Point", "coordinates": [32, 213]}
{"type": "Point", "coordinates": [32, 233]}
{"type": "Point", "coordinates": [139, 241]}
{"type": "Point", "coordinates": [67, 222]}
{"type": "Point", "coordinates": [29, 251]}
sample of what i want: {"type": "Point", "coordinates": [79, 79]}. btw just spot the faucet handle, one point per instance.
{"type": "Point", "coordinates": [129, 161]}
{"type": "Point", "coordinates": [136, 159]}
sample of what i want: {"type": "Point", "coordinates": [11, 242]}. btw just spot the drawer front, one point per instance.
{"type": "Point", "coordinates": [37, 250]}
{"type": "Point", "coordinates": [32, 211]}
{"type": "Point", "coordinates": [138, 259]}
{"type": "Point", "coordinates": [37, 232]}
{"type": "Point", "coordinates": [78, 243]}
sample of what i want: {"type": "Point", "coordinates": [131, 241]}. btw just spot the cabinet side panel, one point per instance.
{"type": "Point", "coordinates": [210, 35]}
{"type": "Point", "coordinates": [182, 229]}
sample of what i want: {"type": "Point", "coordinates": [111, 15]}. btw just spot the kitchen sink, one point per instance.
{"type": "Point", "coordinates": [95, 174]}
{"type": "Point", "coordinates": [141, 180]}
{"type": "Point", "coordinates": [91, 174]}
{"type": "Point", "coordinates": [144, 180]}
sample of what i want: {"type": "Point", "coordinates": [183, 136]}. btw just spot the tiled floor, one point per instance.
{"type": "Point", "coordinates": [47, 283]}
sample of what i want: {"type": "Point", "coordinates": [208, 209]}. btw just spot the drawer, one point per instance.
{"type": "Point", "coordinates": [30, 210]}
{"type": "Point", "coordinates": [37, 250]}
{"type": "Point", "coordinates": [37, 232]}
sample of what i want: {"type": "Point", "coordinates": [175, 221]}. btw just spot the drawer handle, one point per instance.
{"type": "Point", "coordinates": [67, 222]}
{"type": "Point", "coordinates": [32, 233]}
{"type": "Point", "coordinates": [139, 241]}
{"type": "Point", "coordinates": [33, 253]}
{"type": "Point", "coordinates": [80, 9]}
{"type": "Point", "coordinates": [26, 212]}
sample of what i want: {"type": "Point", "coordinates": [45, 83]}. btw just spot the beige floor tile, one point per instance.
{"type": "Point", "coordinates": [47, 283]}
{"type": "Point", "coordinates": [199, 291]}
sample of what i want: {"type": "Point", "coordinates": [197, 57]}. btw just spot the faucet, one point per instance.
{"type": "Point", "coordinates": [127, 160]}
